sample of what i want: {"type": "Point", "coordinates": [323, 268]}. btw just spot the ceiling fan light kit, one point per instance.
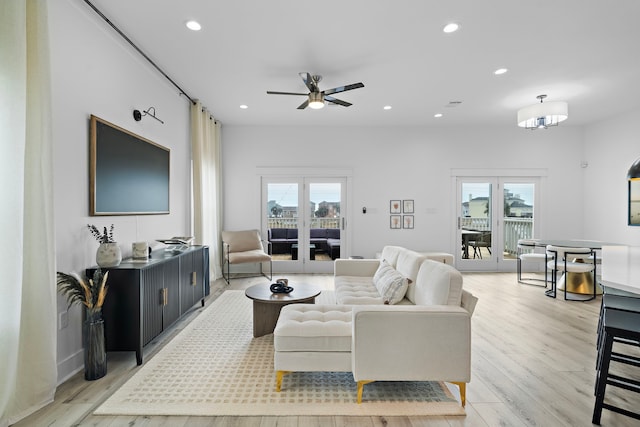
{"type": "Point", "coordinates": [543, 115]}
{"type": "Point", "coordinates": [316, 98]}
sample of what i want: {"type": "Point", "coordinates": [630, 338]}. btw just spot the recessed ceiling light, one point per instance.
{"type": "Point", "coordinates": [437, 115]}
{"type": "Point", "coordinates": [193, 25]}
{"type": "Point", "coordinates": [387, 107]}
{"type": "Point", "coordinates": [244, 107]}
{"type": "Point", "coordinates": [500, 71]}
{"type": "Point", "coordinates": [450, 28]}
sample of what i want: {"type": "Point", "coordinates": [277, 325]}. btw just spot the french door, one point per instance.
{"type": "Point", "coordinates": [493, 213]}
{"type": "Point", "coordinates": [303, 218]}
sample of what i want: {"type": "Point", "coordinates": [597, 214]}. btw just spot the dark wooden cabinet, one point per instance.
{"type": "Point", "coordinates": [145, 298]}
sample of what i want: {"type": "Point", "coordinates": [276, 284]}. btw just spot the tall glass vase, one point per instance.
{"type": "Point", "coordinates": [95, 355]}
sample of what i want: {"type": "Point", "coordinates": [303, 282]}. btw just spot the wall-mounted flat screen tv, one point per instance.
{"type": "Point", "coordinates": [129, 175]}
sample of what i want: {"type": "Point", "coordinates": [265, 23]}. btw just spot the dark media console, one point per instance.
{"type": "Point", "coordinates": [145, 298]}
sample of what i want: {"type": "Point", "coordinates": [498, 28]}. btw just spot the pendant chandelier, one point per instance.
{"type": "Point", "coordinates": [542, 115]}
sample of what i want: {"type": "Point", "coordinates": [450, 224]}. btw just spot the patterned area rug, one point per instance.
{"type": "Point", "coordinates": [216, 367]}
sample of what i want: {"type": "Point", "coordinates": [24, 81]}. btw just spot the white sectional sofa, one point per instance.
{"type": "Point", "coordinates": [423, 336]}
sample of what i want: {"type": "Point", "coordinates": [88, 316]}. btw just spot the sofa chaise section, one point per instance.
{"type": "Point", "coordinates": [431, 324]}
{"type": "Point", "coordinates": [435, 342]}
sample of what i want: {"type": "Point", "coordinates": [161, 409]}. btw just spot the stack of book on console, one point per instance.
{"type": "Point", "coordinates": [176, 244]}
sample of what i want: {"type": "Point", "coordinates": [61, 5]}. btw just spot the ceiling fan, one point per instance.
{"type": "Point", "coordinates": [315, 97]}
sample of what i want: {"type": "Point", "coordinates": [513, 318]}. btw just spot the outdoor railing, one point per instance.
{"type": "Point", "coordinates": [293, 222]}
{"type": "Point", "coordinates": [478, 224]}
{"type": "Point", "coordinates": [514, 229]}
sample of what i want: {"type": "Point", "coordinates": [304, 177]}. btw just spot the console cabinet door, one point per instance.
{"type": "Point", "coordinates": [191, 279]}
{"type": "Point", "coordinates": [171, 309]}
{"type": "Point", "coordinates": [152, 280]}
{"type": "Point", "coordinates": [122, 308]}
{"type": "Point", "coordinates": [200, 274]}
{"type": "Point", "coordinates": [186, 290]}
{"type": "Point", "coordinates": [161, 300]}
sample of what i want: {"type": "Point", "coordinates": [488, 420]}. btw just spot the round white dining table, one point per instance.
{"type": "Point", "coordinates": [576, 283]}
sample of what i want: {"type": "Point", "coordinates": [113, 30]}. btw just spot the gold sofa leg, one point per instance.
{"type": "Point", "coordinates": [361, 388]}
{"type": "Point", "coordinates": [279, 376]}
{"type": "Point", "coordinates": [463, 392]}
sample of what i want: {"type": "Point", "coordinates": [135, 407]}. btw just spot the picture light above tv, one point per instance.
{"type": "Point", "coordinates": [128, 174]}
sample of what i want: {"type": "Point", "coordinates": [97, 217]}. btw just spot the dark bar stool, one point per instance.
{"type": "Point", "coordinates": [616, 325]}
{"type": "Point", "coordinates": [615, 299]}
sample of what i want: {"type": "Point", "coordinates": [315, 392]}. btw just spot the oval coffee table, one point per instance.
{"type": "Point", "coordinates": [267, 305]}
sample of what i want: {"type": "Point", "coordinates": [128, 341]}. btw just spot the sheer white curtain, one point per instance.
{"type": "Point", "coordinates": [27, 255]}
{"type": "Point", "coordinates": [205, 144]}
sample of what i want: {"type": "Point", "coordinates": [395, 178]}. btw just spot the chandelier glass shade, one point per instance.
{"type": "Point", "coordinates": [542, 115]}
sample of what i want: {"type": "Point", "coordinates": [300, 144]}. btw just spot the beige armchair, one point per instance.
{"type": "Point", "coordinates": [244, 247]}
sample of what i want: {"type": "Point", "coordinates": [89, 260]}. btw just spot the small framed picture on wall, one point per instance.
{"type": "Point", "coordinates": [407, 221]}
{"type": "Point", "coordinates": [407, 206]}
{"type": "Point", "coordinates": [395, 207]}
{"type": "Point", "coordinates": [395, 221]}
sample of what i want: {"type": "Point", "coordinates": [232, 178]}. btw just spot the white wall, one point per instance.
{"type": "Point", "coordinates": [611, 147]}
{"type": "Point", "coordinates": [95, 72]}
{"type": "Point", "coordinates": [406, 163]}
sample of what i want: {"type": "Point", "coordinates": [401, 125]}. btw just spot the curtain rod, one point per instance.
{"type": "Point", "coordinates": [138, 49]}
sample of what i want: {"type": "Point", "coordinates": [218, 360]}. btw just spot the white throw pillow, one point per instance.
{"type": "Point", "coordinates": [383, 267]}
{"type": "Point", "coordinates": [390, 284]}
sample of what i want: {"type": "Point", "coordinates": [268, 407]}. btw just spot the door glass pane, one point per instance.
{"type": "Point", "coordinates": [475, 220]}
{"type": "Point", "coordinates": [518, 215]}
{"type": "Point", "coordinates": [324, 220]}
{"type": "Point", "coordinates": [282, 219]}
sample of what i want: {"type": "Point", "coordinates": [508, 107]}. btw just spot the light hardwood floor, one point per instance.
{"type": "Point", "coordinates": [532, 365]}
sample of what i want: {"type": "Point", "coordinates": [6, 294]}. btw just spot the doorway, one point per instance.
{"type": "Point", "coordinates": [303, 221]}
{"type": "Point", "coordinates": [493, 213]}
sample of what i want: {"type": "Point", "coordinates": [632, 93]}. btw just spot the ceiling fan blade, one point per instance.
{"type": "Point", "coordinates": [337, 101]}
{"type": "Point", "coordinates": [343, 88]}
{"type": "Point", "coordinates": [303, 105]}
{"type": "Point", "coordinates": [309, 82]}
{"type": "Point", "coordinates": [271, 92]}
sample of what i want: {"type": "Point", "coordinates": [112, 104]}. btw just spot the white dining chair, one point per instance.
{"type": "Point", "coordinates": [570, 260]}
{"type": "Point", "coordinates": [526, 253]}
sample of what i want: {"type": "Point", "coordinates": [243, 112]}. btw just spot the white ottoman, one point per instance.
{"type": "Point", "coordinates": [312, 337]}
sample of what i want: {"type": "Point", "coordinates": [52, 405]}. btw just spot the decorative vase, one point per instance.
{"type": "Point", "coordinates": [108, 255]}
{"type": "Point", "coordinates": [95, 354]}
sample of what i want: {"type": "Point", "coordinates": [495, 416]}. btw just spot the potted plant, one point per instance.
{"type": "Point", "coordinates": [91, 295]}
{"type": "Point", "coordinates": [109, 253]}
